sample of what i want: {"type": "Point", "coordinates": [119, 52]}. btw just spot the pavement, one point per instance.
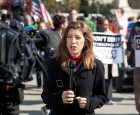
{"type": "Point", "coordinates": [124, 103]}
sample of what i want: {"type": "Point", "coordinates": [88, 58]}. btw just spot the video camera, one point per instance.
{"type": "Point", "coordinates": [39, 37]}
{"type": "Point", "coordinates": [16, 57]}
{"type": "Point", "coordinates": [17, 62]}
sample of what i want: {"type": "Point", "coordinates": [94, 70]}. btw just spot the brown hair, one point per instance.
{"type": "Point", "coordinates": [101, 20]}
{"type": "Point", "coordinates": [58, 20]}
{"type": "Point", "coordinates": [88, 56]}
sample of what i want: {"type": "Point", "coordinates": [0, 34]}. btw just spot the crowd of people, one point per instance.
{"type": "Point", "coordinates": [92, 79]}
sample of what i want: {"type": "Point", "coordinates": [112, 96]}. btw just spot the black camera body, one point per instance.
{"type": "Point", "coordinates": [16, 65]}
{"type": "Point", "coordinates": [17, 61]}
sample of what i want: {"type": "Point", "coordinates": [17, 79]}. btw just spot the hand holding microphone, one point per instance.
{"type": "Point", "coordinates": [68, 97]}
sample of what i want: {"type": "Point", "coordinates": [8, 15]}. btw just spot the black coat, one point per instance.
{"type": "Point", "coordinates": [87, 83]}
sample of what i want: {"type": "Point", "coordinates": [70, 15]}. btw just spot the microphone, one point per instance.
{"type": "Point", "coordinates": [72, 66]}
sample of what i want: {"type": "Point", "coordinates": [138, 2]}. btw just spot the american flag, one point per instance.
{"type": "Point", "coordinates": [39, 9]}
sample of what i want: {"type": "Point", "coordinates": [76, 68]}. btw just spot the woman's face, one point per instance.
{"type": "Point", "coordinates": [75, 42]}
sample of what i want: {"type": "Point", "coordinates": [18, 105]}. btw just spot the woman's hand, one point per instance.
{"type": "Point", "coordinates": [82, 102]}
{"type": "Point", "coordinates": [68, 97]}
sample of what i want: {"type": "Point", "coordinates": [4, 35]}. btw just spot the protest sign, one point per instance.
{"type": "Point", "coordinates": [137, 51]}
{"type": "Point", "coordinates": [107, 47]}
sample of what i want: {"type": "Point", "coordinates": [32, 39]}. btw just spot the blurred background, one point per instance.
{"type": "Point", "coordinates": [103, 7]}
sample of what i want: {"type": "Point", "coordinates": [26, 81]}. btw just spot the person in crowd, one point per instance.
{"type": "Point", "coordinates": [131, 24]}
{"type": "Point", "coordinates": [55, 35]}
{"type": "Point", "coordinates": [98, 24]}
{"type": "Point", "coordinates": [30, 29]}
{"type": "Point", "coordinates": [135, 31]}
{"type": "Point", "coordinates": [89, 22]}
{"type": "Point", "coordinates": [60, 23]}
{"type": "Point", "coordinates": [94, 19]}
{"type": "Point", "coordinates": [73, 14]}
{"type": "Point", "coordinates": [113, 26]}
{"type": "Point", "coordinates": [42, 25]}
{"type": "Point", "coordinates": [22, 20]}
{"type": "Point", "coordinates": [81, 91]}
{"type": "Point", "coordinates": [111, 70]}
{"type": "Point", "coordinates": [36, 20]}
{"type": "Point", "coordinates": [123, 24]}
{"type": "Point", "coordinates": [29, 23]}
{"type": "Point", "coordinates": [103, 25]}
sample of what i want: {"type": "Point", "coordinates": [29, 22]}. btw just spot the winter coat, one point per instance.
{"type": "Point", "coordinates": [87, 83]}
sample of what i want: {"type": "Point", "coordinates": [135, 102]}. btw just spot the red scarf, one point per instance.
{"type": "Point", "coordinates": [77, 59]}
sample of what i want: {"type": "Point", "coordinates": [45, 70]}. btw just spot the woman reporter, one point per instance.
{"type": "Point", "coordinates": [88, 84]}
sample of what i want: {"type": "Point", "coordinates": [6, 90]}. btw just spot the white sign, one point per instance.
{"type": "Point", "coordinates": [137, 58]}
{"type": "Point", "coordinates": [137, 51]}
{"type": "Point", "coordinates": [107, 47]}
